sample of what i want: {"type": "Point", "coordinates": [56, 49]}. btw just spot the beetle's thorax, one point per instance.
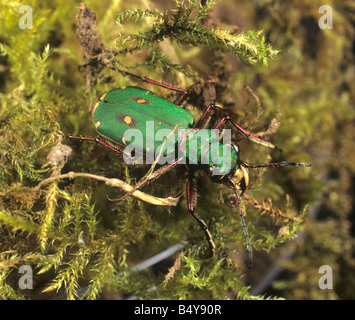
{"type": "Point", "coordinates": [203, 148]}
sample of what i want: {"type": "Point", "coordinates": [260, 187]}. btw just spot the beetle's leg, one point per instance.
{"type": "Point", "coordinates": [106, 145]}
{"type": "Point", "coordinates": [246, 234]}
{"type": "Point", "coordinates": [191, 202]}
{"type": "Point", "coordinates": [178, 101]}
{"type": "Point", "coordinates": [206, 117]}
{"type": "Point", "coordinates": [246, 133]}
{"type": "Point", "coordinates": [183, 92]}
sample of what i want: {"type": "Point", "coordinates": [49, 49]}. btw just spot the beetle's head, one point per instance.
{"type": "Point", "coordinates": [235, 171]}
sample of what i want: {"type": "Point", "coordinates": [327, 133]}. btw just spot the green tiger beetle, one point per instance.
{"type": "Point", "coordinates": [121, 110]}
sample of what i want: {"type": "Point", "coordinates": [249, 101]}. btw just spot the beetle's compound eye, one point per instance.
{"type": "Point", "coordinates": [236, 148]}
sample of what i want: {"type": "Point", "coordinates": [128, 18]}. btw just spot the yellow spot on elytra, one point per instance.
{"type": "Point", "coordinates": [103, 96]}
{"type": "Point", "coordinates": [95, 106]}
{"type": "Point", "coordinates": [127, 119]}
{"type": "Point", "coordinates": [123, 140]}
{"type": "Point", "coordinates": [141, 100]}
{"type": "Point", "coordinates": [97, 123]}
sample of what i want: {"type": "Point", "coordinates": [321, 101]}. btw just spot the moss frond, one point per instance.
{"type": "Point", "coordinates": [186, 26]}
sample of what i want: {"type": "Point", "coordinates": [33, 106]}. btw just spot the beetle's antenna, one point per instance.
{"type": "Point", "coordinates": [246, 234]}
{"type": "Point", "coordinates": [276, 164]}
